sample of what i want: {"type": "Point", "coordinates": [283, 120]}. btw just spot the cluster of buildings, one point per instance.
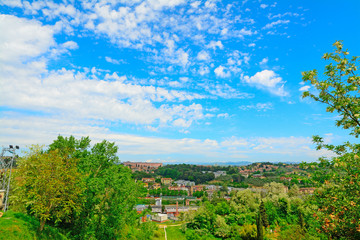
{"type": "Point", "coordinates": [258, 167]}
{"type": "Point", "coordinates": [143, 166]}
{"type": "Point", "coordinates": [165, 212]}
{"type": "Point", "coordinates": [179, 185]}
{"type": "Point", "coordinates": [217, 173]}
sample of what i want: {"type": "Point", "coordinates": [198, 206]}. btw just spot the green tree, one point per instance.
{"type": "Point", "coordinates": [294, 191]}
{"type": "Point", "coordinates": [259, 227]}
{"type": "Point", "coordinates": [110, 192]}
{"type": "Point", "coordinates": [264, 216]}
{"type": "Point", "coordinates": [49, 185]}
{"type": "Point", "coordinates": [338, 198]}
{"type": "Point", "coordinates": [301, 219]}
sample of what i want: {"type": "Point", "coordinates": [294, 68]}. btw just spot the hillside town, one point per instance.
{"type": "Point", "coordinates": [168, 198]}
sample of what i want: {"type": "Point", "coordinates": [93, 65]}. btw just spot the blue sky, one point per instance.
{"type": "Point", "coordinates": [171, 81]}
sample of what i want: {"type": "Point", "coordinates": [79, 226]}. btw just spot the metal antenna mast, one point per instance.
{"type": "Point", "coordinates": [6, 165]}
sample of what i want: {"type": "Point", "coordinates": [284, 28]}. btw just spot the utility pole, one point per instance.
{"type": "Point", "coordinates": [6, 165]}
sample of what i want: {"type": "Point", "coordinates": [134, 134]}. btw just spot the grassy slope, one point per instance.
{"type": "Point", "coordinates": [20, 226]}
{"type": "Point", "coordinates": [175, 233]}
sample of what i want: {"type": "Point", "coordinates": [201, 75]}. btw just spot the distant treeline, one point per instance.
{"type": "Point", "coordinates": [197, 173]}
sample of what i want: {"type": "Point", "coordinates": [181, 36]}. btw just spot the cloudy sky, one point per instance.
{"type": "Point", "coordinates": [171, 80]}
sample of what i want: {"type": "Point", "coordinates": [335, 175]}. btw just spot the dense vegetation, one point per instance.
{"type": "Point", "coordinates": [283, 216]}
{"type": "Point", "coordinates": [338, 177]}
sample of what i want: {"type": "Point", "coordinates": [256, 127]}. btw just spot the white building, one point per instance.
{"type": "Point", "coordinates": [160, 217]}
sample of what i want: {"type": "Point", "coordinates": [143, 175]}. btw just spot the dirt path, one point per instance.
{"type": "Point", "coordinates": [165, 232]}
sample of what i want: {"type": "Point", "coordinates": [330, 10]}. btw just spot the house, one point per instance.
{"type": "Point", "coordinates": [309, 190]}
{"type": "Point", "coordinates": [166, 181]}
{"type": "Point", "coordinates": [219, 173]}
{"type": "Point", "coordinates": [156, 186]}
{"type": "Point", "coordinates": [196, 188]}
{"type": "Point", "coordinates": [184, 183]}
{"type": "Point", "coordinates": [156, 209]}
{"type": "Point", "coordinates": [140, 207]}
{"type": "Point", "coordinates": [178, 188]}
{"type": "Point", "coordinates": [160, 218]}
{"type": "Point", "coordinates": [258, 176]}
{"type": "Point", "coordinates": [148, 180]}
{"type": "Point", "coordinates": [212, 187]}
{"type": "Point", "coordinates": [286, 178]}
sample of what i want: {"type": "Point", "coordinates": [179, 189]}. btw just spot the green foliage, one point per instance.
{"type": "Point", "coordinates": [81, 190]}
{"type": "Point", "coordinates": [222, 208]}
{"type": "Point", "coordinates": [283, 209]}
{"type": "Point", "coordinates": [204, 218]}
{"type": "Point", "coordinates": [340, 90]}
{"type": "Point", "coordinates": [199, 194]}
{"type": "Point", "coordinates": [48, 185]}
{"type": "Point", "coordinates": [259, 227]}
{"type": "Point", "coordinates": [272, 212]}
{"type": "Point", "coordinates": [244, 201]}
{"type": "Point", "coordinates": [199, 174]}
{"type": "Point", "coordinates": [248, 232]}
{"type": "Point", "coordinates": [293, 232]}
{"type": "Point", "coordinates": [264, 217]}
{"type": "Point", "coordinates": [338, 198]}
{"type": "Point", "coordinates": [139, 175]}
{"type": "Point", "coordinates": [199, 234]}
{"type": "Point", "coordinates": [175, 233]}
{"type": "Point", "coordinates": [294, 191]}
{"type": "Point", "coordinates": [222, 230]}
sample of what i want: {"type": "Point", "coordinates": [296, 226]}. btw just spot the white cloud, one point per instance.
{"type": "Point", "coordinates": [111, 60]}
{"type": "Point", "coordinates": [264, 61]}
{"type": "Point", "coordinates": [70, 45]}
{"type": "Point", "coordinates": [304, 88]}
{"type": "Point", "coordinates": [203, 56]}
{"type": "Point", "coordinates": [18, 41]}
{"type": "Point", "coordinates": [25, 130]}
{"type": "Point", "coordinates": [252, 45]}
{"type": "Point", "coordinates": [221, 72]}
{"type": "Point", "coordinates": [145, 25]}
{"type": "Point", "coordinates": [215, 44]}
{"type": "Point", "coordinates": [267, 80]}
{"type": "Point", "coordinates": [263, 6]}
{"type": "Point", "coordinates": [12, 3]}
{"type": "Point", "coordinates": [224, 91]}
{"type": "Point", "coordinates": [223, 115]}
{"type": "Point", "coordinates": [278, 22]}
{"type": "Point", "coordinates": [203, 70]}
{"type": "Point", "coordinates": [27, 84]}
{"type": "Point", "coordinates": [259, 107]}
{"type": "Point", "coordinates": [291, 146]}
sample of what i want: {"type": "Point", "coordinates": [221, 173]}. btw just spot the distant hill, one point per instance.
{"type": "Point", "coordinates": [242, 163]}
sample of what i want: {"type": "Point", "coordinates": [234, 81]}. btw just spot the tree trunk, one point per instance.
{"type": "Point", "coordinates": [42, 224]}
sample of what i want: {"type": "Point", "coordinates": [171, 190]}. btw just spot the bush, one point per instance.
{"type": "Point", "coordinates": [248, 232]}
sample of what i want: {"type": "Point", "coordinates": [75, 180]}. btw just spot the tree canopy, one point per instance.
{"type": "Point", "coordinates": [340, 88]}
{"type": "Point", "coordinates": [338, 196]}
